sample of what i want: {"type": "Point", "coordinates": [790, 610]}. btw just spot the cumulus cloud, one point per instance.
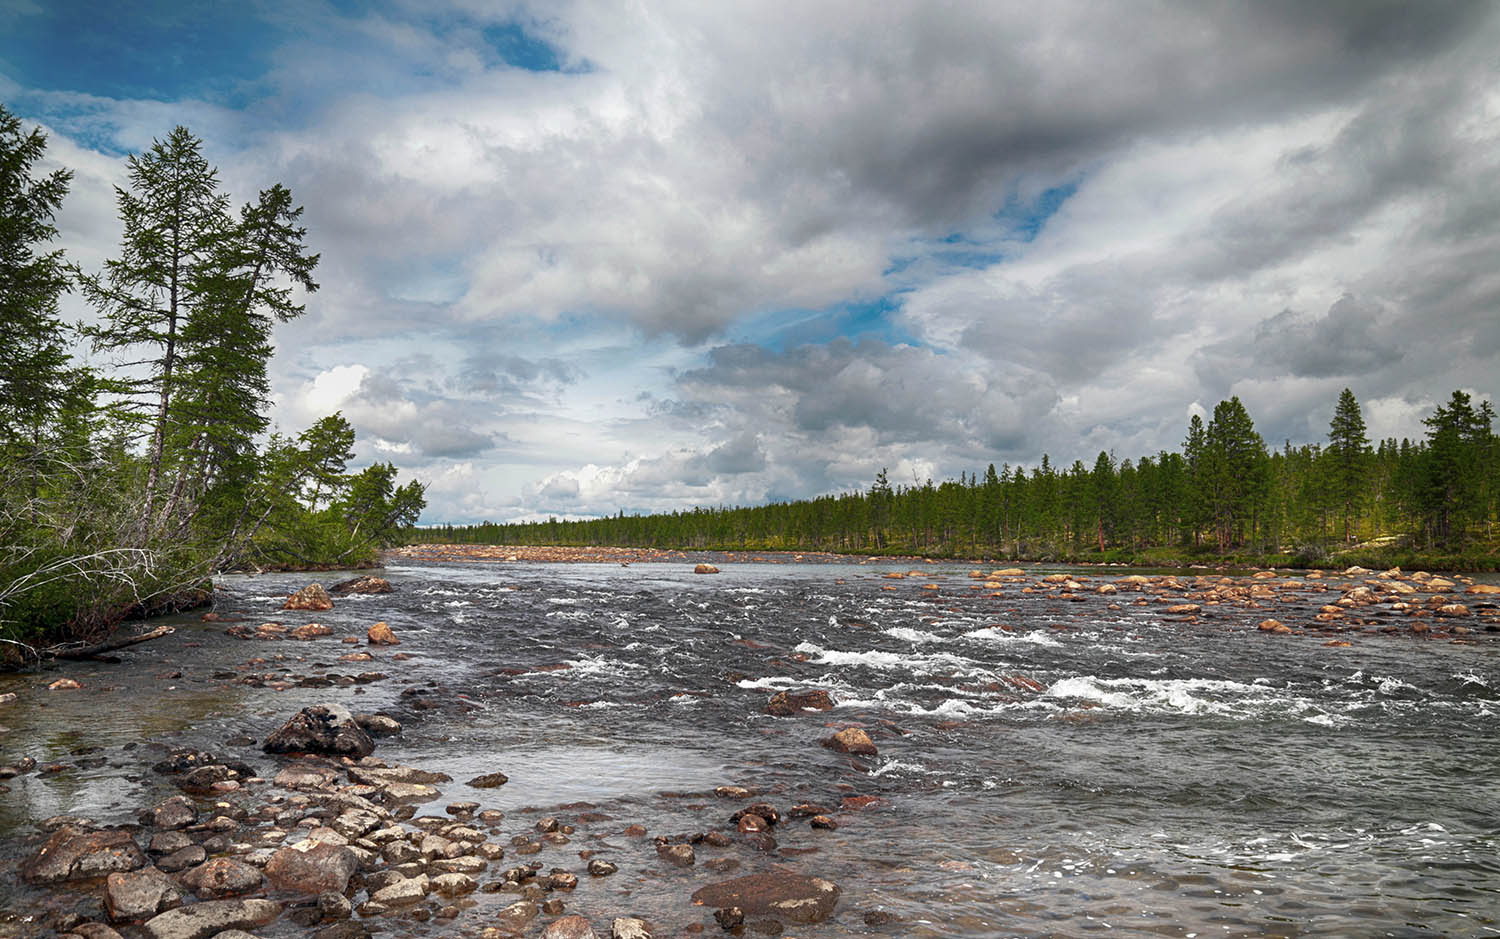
{"type": "Point", "coordinates": [1080, 223]}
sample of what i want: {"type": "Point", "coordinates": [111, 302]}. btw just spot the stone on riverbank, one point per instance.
{"type": "Point", "coordinates": [312, 867]}
{"type": "Point", "coordinates": [312, 597]}
{"type": "Point", "coordinates": [74, 853]}
{"type": "Point", "coordinates": [628, 927]}
{"type": "Point", "coordinates": [361, 585]}
{"type": "Point", "coordinates": [220, 878]}
{"type": "Point", "coordinates": [790, 897]}
{"type": "Point", "coordinates": [789, 703]}
{"type": "Point", "coordinates": [852, 740]}
{"type": "Point", "coordinates": [320, 730]}
{"type": "Point", "coordinates": [138, 895]}
{"type": "Point", "coordinates": [202, 920]}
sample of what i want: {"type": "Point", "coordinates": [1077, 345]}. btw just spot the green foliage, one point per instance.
{"type": "Point", "coordinates": [1223, 500]}
{"type": "Point", "coordinates": [121, 491]}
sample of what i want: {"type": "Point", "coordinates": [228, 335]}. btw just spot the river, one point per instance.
{"type": "Point", "coordinates": [1048, 765]}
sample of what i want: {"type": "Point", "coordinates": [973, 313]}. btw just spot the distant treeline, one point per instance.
{"type": "Point", "coordinates": [126, 482]}
{"type": "Point", "coordinates": [1223, 494]}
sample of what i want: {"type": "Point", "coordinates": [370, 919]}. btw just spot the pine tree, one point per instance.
{"type": "Point", "coordinates": [175, 219]}
{"type": "Point", "coordinates": [34, 372]}
{"type": "Point", "coordinates": [1349, 451]}
{"type": "Point", "coordinates": [1232, 470]}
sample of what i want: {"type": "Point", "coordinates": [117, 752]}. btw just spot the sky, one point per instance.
{"type": "Point", "coordinates": [583, 257]}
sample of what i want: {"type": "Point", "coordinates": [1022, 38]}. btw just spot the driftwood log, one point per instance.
{"type": "Point", "coordinates": [112, 644]}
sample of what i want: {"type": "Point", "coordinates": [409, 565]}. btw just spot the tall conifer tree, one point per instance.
{"type": "Point", "coordinates": [1348, 451]}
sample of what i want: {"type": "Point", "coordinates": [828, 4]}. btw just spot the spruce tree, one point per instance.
{"type": "Point", "coordinates": [34, 372]}
{"type": "Point", "coordinates": [1348, 452]}
{"type": "Point", "coordinates": [175, 219]}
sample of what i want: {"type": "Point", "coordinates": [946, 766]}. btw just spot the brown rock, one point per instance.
{"type": "Point", "coordinates": [790, 897]}
{"type": "Point", "coordinates": [678, 855]}
{"type": "Point", "coordinates": [1184, 608]}
{"type": "Point", "coordinates": [381, 635]}
{"type": "Point", "coordinates": [312, 867]}
{"type": "Point", "coordinates": [64, 684]}
{"type": "Point", "coordinates": [489, 781]}
{"type": "Point", "coordinates": [705, 569]}
{"type": "Point", "coordinates": [852, 740]}
{"type": "Point", "coordinates": [311, 631]}
{"type": "Point", "coordinates": [1269, 625]}
{"type": "Point", "coordinates": [137, 895]}
{"type": "Point", "coordinates": [1453, 609]}
{"type": "Point", "coordinates": [74, 853]}
{"type": "Point", "coordinates": [312, 597]}
{"type": "Point", "coordinates": [361, 585]}
{"type": "Point", "coordinates": [320, 730]}
{"type": "Point", "coordinates": [514, 919]}
{"type": "Point", "coordinates": [221, 877]}
{"type": "Point", "coordinates": [788, 703]}
{"type": "Point", "coordinates": [570, 927]}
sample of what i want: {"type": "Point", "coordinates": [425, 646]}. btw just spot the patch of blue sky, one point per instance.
{"type": "Point", "coordinates": [162, 50]}
{"type": "Point", "coordinates": [521, 48]}
{"type": "Point", "coordinates": [1026, 219]}
{"type": "Point", "coordinates": [876, 318]}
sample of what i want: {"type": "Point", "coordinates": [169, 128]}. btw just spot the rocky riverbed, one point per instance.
{"type": "Point", "coordinates": [503, 750]}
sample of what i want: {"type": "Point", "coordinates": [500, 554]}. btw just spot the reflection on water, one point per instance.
{"type": "Point", "coordinates": [1046, 767]}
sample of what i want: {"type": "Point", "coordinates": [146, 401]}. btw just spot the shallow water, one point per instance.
{"type": "Point", "coordinates": [1170, 778]}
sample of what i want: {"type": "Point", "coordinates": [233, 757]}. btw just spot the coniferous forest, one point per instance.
{"type": "Point", "coordinates": [129, 478]}
{"type": "Point", "coordinates": [1225, 496]}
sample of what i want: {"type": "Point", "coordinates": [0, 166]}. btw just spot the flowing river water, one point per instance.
{"type": "Point", "coordinates": [1048, 766]}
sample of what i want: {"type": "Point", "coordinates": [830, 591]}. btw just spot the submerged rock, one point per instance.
{"type": "Point", "coordinates": [790, 897]}
{"type": "Point", "coordinates": [221, 877]}
{"type": "Point", "coordinates": [312, 597]}
{"type": "Point", "coordinates": [320, 730]}
{"type": "Point", "coordinates": [570, 927]}
{"type": "Point", "coordinates": [788, 703]}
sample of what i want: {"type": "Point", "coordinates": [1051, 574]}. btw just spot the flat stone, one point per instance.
{"type": "Point", "coordinates": [202, 920]}
{"type": "Point", "coordinates": [790, 897]}
{"type": "Point", "coordinates": [404, 891]}
{"type": "Point", "coordinates": [789, 703]}
{"type": "Point", "coordinates": [76, 854]}
{"type": "Point", "coordinates": [138, 895]}
{"type": "Point", "coordinates": [489, 781]}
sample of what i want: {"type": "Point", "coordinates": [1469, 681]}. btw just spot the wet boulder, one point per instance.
{"type": "Point", "coordinates": [312, 867]}
{"type": "Point", "coordinates": [788, 703]}
{"type": "Point", "coordinates": [381, 635]}
{"type": "Point", "coordinates": [489, 781]}
{"type": "Point", "coordinates": [852, 740]}
{"type": "Point", "coordinates": [787, 897]}
{"type": "Point", "coordinates": [628, 927]}
{"type": "Point", "coordinates": [320, 730]}
{"type": "Point", "coordinates": [361, 585]}
{"type": "Point", "coordinates": [172, 814]}
{"type": "Point", "coordinates": [202, 920]}
{"type": "Point", "coordinates": [312, 598]}
{"type": "Point", "coordinates": [138, 895]}
{"type": "Point", "coordinates": [705, 569]}
{"type": "Point", "coordinates": [311, 631]}
{"type": "Point", "coordinates": [74, 853]}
